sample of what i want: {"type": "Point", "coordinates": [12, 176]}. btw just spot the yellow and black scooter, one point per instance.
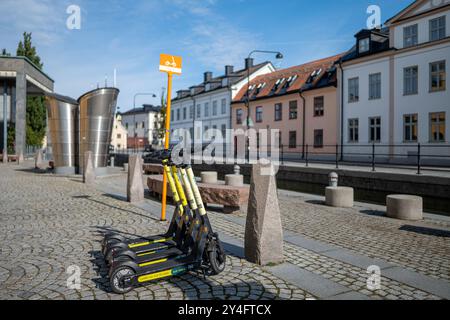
{"type": "Point", "coordinates": [154, 251]}
{"type": "Point", "coordinates": [115, 245]}
{"type": "Point", "coordinates": [202, 249]}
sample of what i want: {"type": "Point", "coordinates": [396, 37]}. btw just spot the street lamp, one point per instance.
{"type": "Point", "coordinates": [279, 56]}
{"type": "Point", "coordinates": [134, 112]}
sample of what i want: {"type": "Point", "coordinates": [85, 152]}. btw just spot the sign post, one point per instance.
{"type": "Point", "coordinates": [170, 65]}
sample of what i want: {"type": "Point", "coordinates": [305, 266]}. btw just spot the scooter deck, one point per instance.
{"type": "Point", "coordinates": [164, 269]}
{"type": "Point", "coordinates": [150, 258]}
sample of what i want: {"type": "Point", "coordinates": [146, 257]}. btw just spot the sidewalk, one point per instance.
{"type": "Point", "coordinates": [50, 223]}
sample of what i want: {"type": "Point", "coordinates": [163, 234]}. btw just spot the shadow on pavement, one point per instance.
{"type": "Point", "coordinates": [377, 213]}
{"type": "Point", "coordinates": [426, 231]}
{"type": "Point", "coordinates": [193, 293]}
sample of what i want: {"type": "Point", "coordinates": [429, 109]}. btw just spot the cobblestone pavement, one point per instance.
{"type": "Point", "coordinates": [51, 223]}
{"type": "Point", "coordinates": [416, 246]}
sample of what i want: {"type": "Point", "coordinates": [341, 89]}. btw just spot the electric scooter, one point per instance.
{"type": "Point", "coordinates": [151, 251]}
{"type": "Point", "coordinates": [174, 237]}
{"type": "Point", "coordinates": [202, 249]}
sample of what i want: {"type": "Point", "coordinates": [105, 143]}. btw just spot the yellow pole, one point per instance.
{"type": "Point", "coordinates": [166, 145]}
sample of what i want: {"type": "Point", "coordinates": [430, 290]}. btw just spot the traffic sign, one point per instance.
{"type": "Point", "coordinates": [170, 64]}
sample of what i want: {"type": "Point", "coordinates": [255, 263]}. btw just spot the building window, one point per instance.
{"type": "Point", "coordinates": [318, 138]}
{"type": "Point", "coordinates": [184, 113]}
{"type": "Point", "coordinates": [437, 76]}
{"type": "Point", "coordinates": [364, 45]}
{"type": "Point", "coordinates": [292, 139]}
{"type": "Point", "coordinates": [353, 130]}
{"type": "Point", "coordinates": [206, 133]}
{"type": "Point", "coordinates": [410, 36]}
{"type": "Point", "coordinates": [437, 127]}
{"type": "Point", "coordinates": [224, 106]}
{"type": "Point", "coordinates": [199, 111]}
{"type": "Point", "coordinates": [119, 136]}
{"type": "Point", "coordinates": [437, 28]}
{"type": "Point", "coordinates": [191, 133]}
{"type": "Point", "coordinates": [143, 125]}
{"type": "Point", "coordinates": [207, 109]}
{"type": "Point", "coordinates": [353, 90]}
{"type": "Point", "coordinates": [178, 114]}
{"type": "Point", "coordinates": [293, 110]}
{"type": "Point", "coordinates": [126, 125]}
{"type": "Point", "coordinates": [410, 127]}
{"type": "Point", "coordinates": [259, 114]}
{"type": "Point", "coordinates": [318, 106]}
{"type": "Point", "coordinates": [172, 116]}
{"type": "Point", "coordinates": [375, 86]}
{"type": "Point", "coordinates": [278, 111]}
{"type": "Point", "coordinates": [410, 80]}
{"type": "Point", "coordinates": [214, 108]}
{"type": "Point", "coordinates": [375, 129]}
{"type": "Point", "coordinates": [191, 112]}
{"type": "Point", "coordinates": [239, 116]}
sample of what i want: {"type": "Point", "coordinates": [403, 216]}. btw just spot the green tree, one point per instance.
{"type": "Point", "coordinates": [36, 113]}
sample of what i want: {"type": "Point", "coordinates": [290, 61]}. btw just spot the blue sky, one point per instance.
{"type": "Point", "coordinates": [130, 35]}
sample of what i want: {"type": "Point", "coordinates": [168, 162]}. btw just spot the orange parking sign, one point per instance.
{"type": "Point", "coordinates": [169, 63]}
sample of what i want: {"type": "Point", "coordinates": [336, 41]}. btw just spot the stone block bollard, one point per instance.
{"type": "Point", "coordinates": [209, 177]}
{"type": "Point", "coordinates": [20, 158]}
{"type": "Point", "coordinates": [404, 207]}
{"type": "Point", "coordinates": [39, 160]}
{"type": "Point", "coordinates": [263, 230]}
{"type": "Point", "coordinates": [4, 156]}
{"type": "Point", "coordinates": [339, 197]}
{"type": "Point", "coordinates": [135, 186]}
{"type": "Point", "coordinates": [234, 180]}
{"type": "Point", "coordinates": [88, 168]}
{"type": "Point", "coordinates": [125, 167]}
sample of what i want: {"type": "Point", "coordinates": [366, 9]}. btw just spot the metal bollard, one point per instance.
{"type": "Point", "coordinates": [333, 179]}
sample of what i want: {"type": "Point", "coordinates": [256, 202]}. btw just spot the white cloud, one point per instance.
{"type": "Point", "coordinates": [44, 18]}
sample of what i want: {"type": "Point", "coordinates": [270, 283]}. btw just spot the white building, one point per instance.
{"type": "Point", "coordinates": [119, 136]}
{"type": "Point", "coordinates": [208, 105]}
{"type": "Point", "coordinates": [394, 87]}
{"type": "Point", "coordinates": [143, 126]}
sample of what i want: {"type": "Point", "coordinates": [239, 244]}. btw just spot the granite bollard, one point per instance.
{"type": "Point", "coordinates": [404, 207]}
{"type": "Point", "coordinates": [39, 160]}
{"type": "Point", "coordinates": [88, 168]}
{"type": "Point", "coordinates": [209, 177]}
{"type": "Point", "coordinates": [4, 156]}
{"type": "Point", "coordinates": [135, 185]}
{"type": "Point", "coordinates": [263, 229]}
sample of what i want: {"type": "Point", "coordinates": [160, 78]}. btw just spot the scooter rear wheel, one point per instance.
{"type": "Point", "coordinates": [117, 277]}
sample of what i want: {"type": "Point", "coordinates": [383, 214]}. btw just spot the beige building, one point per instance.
{"type": "Point", "coordinates": [119, 134]}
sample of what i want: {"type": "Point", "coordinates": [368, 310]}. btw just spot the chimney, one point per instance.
{"type": "Point", "coordinates": [229, 70]}
{"type": "Point", "coordinates": [207, 76]}
{"type": "Point", "coordinates": [248, 63]}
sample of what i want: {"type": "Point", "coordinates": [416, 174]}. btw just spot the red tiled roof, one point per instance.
{"type": "Point", "coordinates": [303, 72]}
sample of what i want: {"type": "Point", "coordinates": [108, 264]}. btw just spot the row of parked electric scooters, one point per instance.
{"type": "Point", "coordinates": [189, 244]}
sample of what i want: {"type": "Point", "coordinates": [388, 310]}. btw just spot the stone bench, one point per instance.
{"type": "Point", "coordinates": [339, 197]}
{"type": "Point", "coordinates": [232, 198]}
{"type": "Point", "coordinates": [404, 207]}
{"type": "Point", "coordinates": [153, 168]}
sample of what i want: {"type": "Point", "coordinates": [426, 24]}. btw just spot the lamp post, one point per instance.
{"type": "Point", "coordinates": [278, 55]}
{"type": "Point", "coordinates": [134, 113]}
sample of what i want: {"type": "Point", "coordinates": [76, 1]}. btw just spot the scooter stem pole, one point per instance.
{"type": "Point", "coordinates": [166, 145]}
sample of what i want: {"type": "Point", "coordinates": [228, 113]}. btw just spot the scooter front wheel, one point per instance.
{"type": "Point", "coordinates": [217, 259]}
{"type": "Point", "coordinates": [117, 279]}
